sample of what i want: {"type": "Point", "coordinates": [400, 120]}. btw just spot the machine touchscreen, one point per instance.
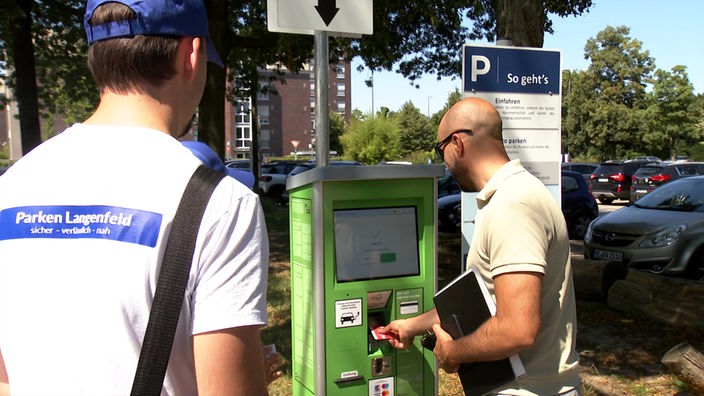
{"type": "Point", "coordinates": [375, 243]}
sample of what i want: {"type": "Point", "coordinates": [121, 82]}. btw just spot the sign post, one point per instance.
{"type": "Point", "coordinates": [295, 144]}
{"type": "Point", "coordinates": [343, 17]}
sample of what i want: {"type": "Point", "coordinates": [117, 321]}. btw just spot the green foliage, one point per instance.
{"type": "Point", "coordinates": [372, 140]}
{"type": "Point", "coordinates": [4, 152]}
{"type": "Point", "coordinates": [454, 97]}
{"type": "Point", "coordinates": [416, 133]}
{"type": "Point", "coordinates": [425, 37]}
{"type": "Point", "coordinates": [671, 116]}
{"type": "Point", "coordinates": [602, 105]}
{"type": "Point", "coordinates": [66, 87]}
{"type": "Point", "coordinates": [337, 128]}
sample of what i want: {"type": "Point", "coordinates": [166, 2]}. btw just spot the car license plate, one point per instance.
{"type": "Point", "coordinates": [606, 255]}
{"type": "Point", "coordinates": [602, 180]}
{"type": "Point", "coordinates": [641, 191]}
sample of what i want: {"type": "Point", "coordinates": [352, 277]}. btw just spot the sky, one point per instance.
{"type": "Point", "coordinates": [671, 31]}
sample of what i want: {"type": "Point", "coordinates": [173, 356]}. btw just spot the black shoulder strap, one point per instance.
{"type": "Point", "coordinates": [171, 285]}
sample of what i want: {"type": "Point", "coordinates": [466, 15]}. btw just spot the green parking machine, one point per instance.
{"type": "Point", "coordinates": [363, 242]}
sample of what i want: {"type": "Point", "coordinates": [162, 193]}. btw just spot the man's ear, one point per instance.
{"type": "Point", "coordinates": [191, 51]}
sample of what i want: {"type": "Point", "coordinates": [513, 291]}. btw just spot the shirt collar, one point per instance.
{"type": "Point", "coordinates": [507, 170]}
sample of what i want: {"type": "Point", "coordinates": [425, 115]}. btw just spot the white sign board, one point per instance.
{"type": "Point", "coordinates": [524, 84]}
{"type": "Point", "coordinates": [339, 17]}
{"type": "Point", "coordinates": [348, 313]}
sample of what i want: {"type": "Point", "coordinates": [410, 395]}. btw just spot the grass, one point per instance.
{"type": "Point", "coordinates": [626, 358]}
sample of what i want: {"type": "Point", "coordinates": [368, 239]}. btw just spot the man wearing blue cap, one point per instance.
{"type": "Point", "coordinates": [85, 216]}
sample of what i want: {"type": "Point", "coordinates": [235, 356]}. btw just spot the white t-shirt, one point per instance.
{"type": "Point", "coordinates": [84, 219]}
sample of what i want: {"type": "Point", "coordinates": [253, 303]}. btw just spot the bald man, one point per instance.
{"type": "Point", "coordinates": [521, 249]}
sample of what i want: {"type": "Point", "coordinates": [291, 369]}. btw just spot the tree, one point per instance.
{"type": "Point", "coordinates": [337, 128]}
{"type": "Point", "coordinates": [425, 37]}
{"type": "Point", "coordinates": [604, 102]}
{"type": "Point", "coordinates": [671, 125]}
{"type": "Point", "coordinates": [415, 131]}
{"type": "Point", "coordinates": [17, 27]}
{"type": "Point", "coordinates": [372, 140]}
{"type": "Point", "coordinates": [454, 97]}
{"type": "Point", "coordinates": [414, 37]}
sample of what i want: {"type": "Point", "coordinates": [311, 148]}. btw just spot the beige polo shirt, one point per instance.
{"type": "Point", "coordinates": [519, 226]}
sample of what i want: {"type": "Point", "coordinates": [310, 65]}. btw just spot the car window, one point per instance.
{"type": "Point", "coordinates": [630, 167]}
{"type": "Point", "coordinates": [690, 169]}
{"type": "Point", "coordinates": [648, 170]}
{"type": "Point", "coordinates": [683, 195]}
{"type": "Point", "coordinates": [569, 184]}
{"type": "Point", "coordinates": [608, 168]}
{"type": "Point", "coordinates": [300, 169]}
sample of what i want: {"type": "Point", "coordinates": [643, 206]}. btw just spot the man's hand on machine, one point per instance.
{"type": "Point", "coordinates": [401, 338]}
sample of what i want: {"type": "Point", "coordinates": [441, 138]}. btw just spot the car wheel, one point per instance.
{"type": "Point", "coordinates": [606, 200]}
{"type": "Point", "coordinates": [580, 226]}
{"type": "Point", "coordinates": [276, 191]}
{"type": "Point", "coordinates": [695, 268]}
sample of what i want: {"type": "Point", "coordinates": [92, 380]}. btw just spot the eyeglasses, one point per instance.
{"type": "Point", "coordinates": [440, 146]}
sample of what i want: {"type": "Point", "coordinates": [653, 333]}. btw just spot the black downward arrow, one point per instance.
{"type": "Point", "coordinates": [327, 10]}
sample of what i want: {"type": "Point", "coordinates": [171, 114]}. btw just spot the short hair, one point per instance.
{"type": "Point", "coordinates": [124, 65]}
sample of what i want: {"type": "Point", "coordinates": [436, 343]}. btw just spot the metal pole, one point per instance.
{"type": "Point", "coordinates": [322, 118]}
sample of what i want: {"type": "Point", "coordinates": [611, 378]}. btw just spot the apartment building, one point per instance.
{"type": "Point", "coordinates": [287, 117]}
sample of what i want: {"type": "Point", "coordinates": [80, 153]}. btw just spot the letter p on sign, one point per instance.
{"type": "Point", "coordinates": [476, 71]}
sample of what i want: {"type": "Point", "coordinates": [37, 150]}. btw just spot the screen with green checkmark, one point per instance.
{"type": "Point", "coordinates": [376, 243]}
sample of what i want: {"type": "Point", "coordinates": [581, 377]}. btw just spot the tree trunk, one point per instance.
{"type": "Point", "coordinates": [254, 118]}
{"type": "Point", "coordinates": [521, 21]}
{"type": "Point", "coordinates": [687, 364]}
{"type": "Point", "coordinates": [22, 52]}
{"type": "Point", "coordinates": [211, 126]}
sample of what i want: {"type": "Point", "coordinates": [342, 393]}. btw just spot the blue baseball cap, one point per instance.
{"type": "Point", "coordinates": [155, 18]}
{"type": "Point", "coordinates": [209, 158]}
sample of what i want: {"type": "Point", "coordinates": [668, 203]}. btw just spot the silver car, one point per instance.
{"type": "Point", "coordinates": [663, 232]}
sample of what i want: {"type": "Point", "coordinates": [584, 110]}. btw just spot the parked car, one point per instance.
{"type": "Point", "coordinates": [663, 232]}
{"type": "Point", "coordinates": [239, 164]}
{"type": "Point", "coordinates": [272, 178]}
{"type": "Point", "coordinates": [447, 185]}
{"type": "Point", "coordinates": [648, 158]}
{"type": "Point", "coordinates": [578, 204]}
{"type": "Point", "coordinates": [302, 167]}
{"type": "Point", "coordinates": [611, 180]}
{"type": "Point", "coordinates": [585, 168]}
{"type": "Point", "coordinates": [651, 176]}
{"type": "Point", "coordinates": [450, 213]}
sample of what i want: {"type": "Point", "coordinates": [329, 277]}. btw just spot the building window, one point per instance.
{"type": "Point", "coordinates": [340, 71]}
{"type": "Point", "coordinates": [264, 115]}
{"type": "Point", "coordinates": [243, 136]}
{"type": "Point", "coordinates": [265, 94]}
{"type": "Point", "coordinates": [341, 107]}
{"type": "Point", "coordinates": [264, 138]}
{"type": "Point", "coordinates": [340, 89]}
{"type": "Point", "coordinates": [242, 112]}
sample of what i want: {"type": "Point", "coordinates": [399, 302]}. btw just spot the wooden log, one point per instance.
{"type": "Point", "coordinates": [594, 278]}
{"type": "Point", "coordinates": [663, 299]}
{"type": "Point", "coordinates": [687, 363]}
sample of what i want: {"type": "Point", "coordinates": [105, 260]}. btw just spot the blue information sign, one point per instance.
{"type": "Point", "coordinates": [506, 69]}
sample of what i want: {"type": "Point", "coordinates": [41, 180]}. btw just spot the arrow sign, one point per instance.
{"type": "Point", "coordinates": [339, 17]}
{"type": "Point", "coordinates": [327, 9]}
